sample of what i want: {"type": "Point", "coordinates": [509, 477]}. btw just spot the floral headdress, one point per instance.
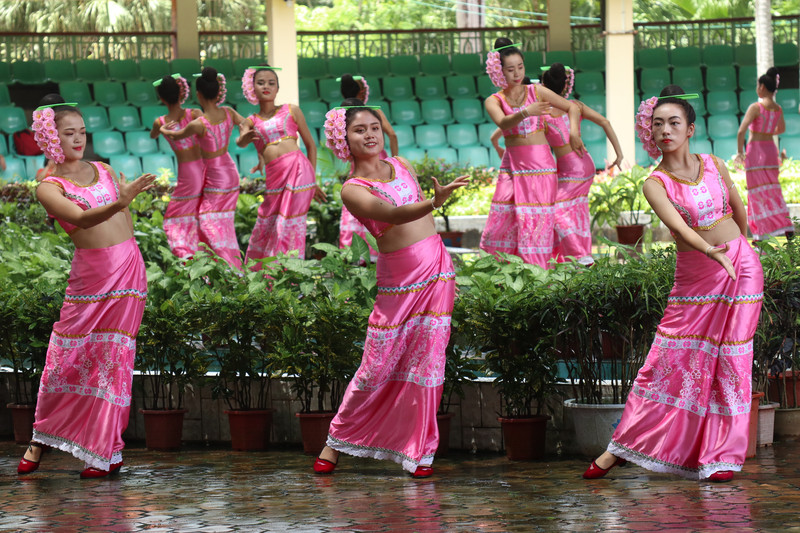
{"type": "Point", "coordinates": [248, 82]}
{"type": "Point", "coordinates": [364, 86]}
{"type": "Point", "coordinates": [644, 121]}
{"type": "Point", "coordinates": [183, 85]}
{"type": "Point", "coordinates": [494, 67]}
{"type": "Point", "coordinates": [570, 82]}
{"type": "Point", "coordinates": [336, 130]}
{"type": "Point", "coordinates": [223, 90]}
{"type": "Point", "coordinates": [777, 81]}
{"type": "Point", "coordinates": [45, 131]}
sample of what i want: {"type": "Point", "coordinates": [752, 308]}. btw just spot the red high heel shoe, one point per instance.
{"type": "Point", "coordinates": [595, 472]}
{"type": "Point", "coordinates": [323, 466]}
{"type": "Point", "coordinates": [26, 466]}
{"type": "Point", "coordinates": [721, 476]}
{"type": "Point", "coordinates": [423, 471]}
{"type": "Point", "coordinates": [94, 473]}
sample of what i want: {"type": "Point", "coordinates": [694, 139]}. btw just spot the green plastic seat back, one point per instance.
{"type": "Point", "coordinates": [748, 77]}
{"type": "Point", "coordinates": [723, 126]}
{"type": "Point", "coordinates": [406, 112]}
{"type": "Point", "coordinates": [405, 136]}
{"type": "Point", "coordinates": [185, 67]}
{"type": "Point", "coordinates": [59, 70]}
{"type": "Point", "coordinates": [721, 78]}
{"type": "Point", "coordinates": [485, 86]}
{"type": "Point", "coordinates": [565, 57]}
{"type": "Point", "coordinates": [108, 143]}
{"type": "Point", "coordinates": [15, 171]}
{"type": "Point", "coordinates": [123, 70]}
{"type": "Point", "coordinates": [699, 105]}
{"type": "Point", "coordinates": [312, 67]}
{"type": "Point", "coordinates": [435, 64]}
{"type": "Point", "coordinates": [461, 135]}
{"type": "Point", "coordinates": [95, 118]}
{"type": "Point", "coordinates": [473, 156]}
{"type": "Point", "coordinates": [234, 95]}
{"type": "Point", "coordinates": [653, 80]}
{"type": "Point", "coordinates": [241, 64]}
{"type": "Point", "coordinates": [700, 129]}
{"type": "Point", "coordinates": [785, 54]}
{"type": "Point", "coordinates": [533, 62]}
{"type": "Point", "coordinates": [447, 154]}
{"type": "Point", "coordinates": [342, 65]}
{"type": "Point", "coordinates": [28, 72]}
{"type": "Point", "coordinates": [75, 91]}
{"type": "Point", "coordinates": [589, 83]}
{"type": "Point", "coordinates": [590, 60]}
{"type": "Point", "coordinates": [685, 56]}
{"type": "Point", "coordinates": [468, 64]}
{"type": "Point", "coordinates": [788, 100]}
{"type": "Point", "coordinates": [404, 66]}
{"type": "Point", "coordinates": [648, 58]}
{"type": "Point", "coordinates": [792, 125]}
{"type": "Point", "coordinates": [790, 144]}
{"type": "Point", "coordinates": [591, 132]}
{"type": "Point", "coordinates": [397, 88]}
{"type": "Point", "coordinates": [437, 112]}
{"type": "Point", "coordinates": [690, 79]}
{"type": "Point", "coordinates": [377, 67]}
{"type": "Point", "coordinates": [722, 103]}
{"type": "Point", "coordinates": [596, 101]}
{"type": "Point", "coordinates": [431, 136]}
{"type": "Point", "coordinates": [5, 97]}
{"type": "Point", "coordinates": [330, 91]}
{"type": "Point", "coordinates": [307, 90]}
{"type": "Point", "coordinates": [485, 131]}
{"type": "Point", "coordinates": [745, 55]}
{"type": "Point", "coordinates": [139, 143]}
{"type": "Point", "coordinates": [314, 113]}
{"type": "Point", "coordinates": [385, 107]}
{"type": "Point", "coordinates": [141, 93]}
{"type": "Point", "coordinates": [461, 86]}
{"type": "Point", "coordinates": [718, 55]}
{"type": "Point", "coordinates": [108, 93]}
{"type": "Point", "coordinates": [150, 113]}
{"type": "Point", "coordinates": [430, 87]}
{"type": "Point", "coordinates": [725, 149]}
{"type": "Point", "coordinates": [155, 162]}
{"type": "Point", "coordinates": [414, 154]}
{"type": "Point", "coordinates": [223, 65]}
{"type": "Point", "coordinates": [12, 119]}
{"type": "Point", "coordinates": [124, 118]}
{"type": "Point", "coordinates": [246, 161]}
{"type": "Point", "coordinates": [91, 70]}
{"type": "Point", "coordinates": [468, 111]}
{"type": "Point", "coordinates": [153, 69]}
{"type": "Point", "coordinates": [130, 165]}
{"type": "Point", "coordinates": [5, 73]}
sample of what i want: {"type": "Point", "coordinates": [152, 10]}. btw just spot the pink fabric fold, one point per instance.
{"type": "Point", "coordinates": [767, 213]}
{"type": "Point", "coordinates": [181, 222]}
{"type": "Point", "coordinates": [573, 232]}
{"type": "Point", "coordinates": [218, 208]}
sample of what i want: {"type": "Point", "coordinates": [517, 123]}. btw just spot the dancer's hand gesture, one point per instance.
{"type": "Point", "coordinates": [319, 194]}
{"type": "Point", "coordinates": [717, 253]}
{"type": "Point", "coordinates": [129, 191]}
{"type": "Point", "coordinates": [538, 109]}
{"type": "Point", "coordinates": [442, 192]}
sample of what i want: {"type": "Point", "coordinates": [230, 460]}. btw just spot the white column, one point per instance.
{"type": "Point", "coordinates": [560, 31]}
{"type": "Point", "coordinates": [764, 57]}
{"type": "Point", "coordinates": [620, 97]}
{"type": "Point", "coordinates": [186, 43]}
{"type": "Point", "coordinates": [282, 47]}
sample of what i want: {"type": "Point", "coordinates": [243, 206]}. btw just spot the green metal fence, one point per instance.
{"type": "Point", "coordinates": [74, 46]}
{"type": "Point", "coordinates": [701, 33]}
{"type": "Point", "coordinates": [232, 45]}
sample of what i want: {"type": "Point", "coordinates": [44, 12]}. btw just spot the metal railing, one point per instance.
{"type": "Point", "coordinates": [700, 33]}
{"type": "Point", "coordinates": [233, 44]}
{"type": "Point", "coordinates": [74, 46]}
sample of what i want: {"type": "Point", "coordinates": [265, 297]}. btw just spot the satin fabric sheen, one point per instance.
{"type": "Point", "coordinates": [572, 223]}
{"type": "Point", "coordinates": [85, 393]}
{"type": "Point", "coordinates": [218, 208]}
{"type": "Point", "coordinates": [522, 215]}
{"type": "Point", "coordinates": [350, 225]}
{"type": "Point", "coordinates": [181, 219]}
{"type": "Point", "coordinates": [389, 408]}
{"type": "Point", "coordinates": [688, 412]}
{"type": "Point", "coordinates": [102, 191]}
{"type": "Point", "coordinates": [767, 213]}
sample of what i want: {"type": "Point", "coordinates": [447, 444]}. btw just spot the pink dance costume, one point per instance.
{"type": "Point", "coordinates": [767, 213]}
{"type": "Point", "coordinates": [85, 393]}
{"type": "Point", "coordinates": [220, 192]}
{"type": "Point", "coordinates": [389, 408]}
{"type": "Point", "coordinates": [521, 218]}
{"type": "Point", "coordinates": [290, 181]}
{"type": "Point", "coordinates": [181, 222]}
{"type": "Point", "coordinates": [350, 225]}
{"type": "Point", "coordinates": [688, 412]}
{"type": "Point", "coordinates": [573, 232]}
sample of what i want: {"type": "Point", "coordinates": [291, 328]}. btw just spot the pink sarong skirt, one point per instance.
{"type": "Point", "coordinates": [85, 393]}
{"type": "Point", "coordinates": [688, 412]}
{"type": "Point", "coordinates": [181, 223]}
{"type": "Point", "coordinates": [521, 218]}
{"type": "Point", "coordinates": [218, 208]}
{"type": "Point", "coordinates": [281, 223]}
{"type": "Point", "coordinates": [767, 213]}
{"type": "Point", "coordinates": [389, 408]}
{"type": "Point", "coordinates": [573, 232]}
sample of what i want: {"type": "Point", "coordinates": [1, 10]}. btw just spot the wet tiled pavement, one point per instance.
{"type": "Point", "coordinates": [216, 490]}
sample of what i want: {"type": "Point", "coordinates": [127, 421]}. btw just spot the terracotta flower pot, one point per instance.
{"type": "Point", "coordinates": [451, 238]}
{"type": "Point", "coordinates": [787, 424]}
{"type": "Point", "coordinates": [524, 438]}
{"type": "Point", "coordinates": [752, 437]}
{"type": "Point", "coordinates": [22, 417]}
{"type": "Point", "coordinates": [163, 429]}
{"type": "Point", "coordinates": [792, 388]}
{"type": "Point", "coordinates": [444, 422]}
{"type": "Point", "coordinates": [630, 235]}
{"type": "Point", "coordinates": [314, 430]}
{"type": "Point", "coordinates": [250, 429]}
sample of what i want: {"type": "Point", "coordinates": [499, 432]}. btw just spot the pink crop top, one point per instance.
{"type": "Point", "coordinates": [766, 121]}
{"type": "Point", "coordinates": [181, 144]}
{"type": "Point", "coordinates": [556, 130]}
{"type": "Point", "coordinates": [401, 189]}
{"type": "Point", "coordinates": [702, 204]}
{"type": "Point", "coordinates": [101, 191]}
{"type": "Point", "coordinates": [527, 125]}
{"type": "Point", "coordinates": [275, 129]}
{"type": "Point", "coordinates": [217, 135]}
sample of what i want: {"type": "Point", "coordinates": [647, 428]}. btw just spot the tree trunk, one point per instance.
{"type": "Point", "coordinates": [764, 59]}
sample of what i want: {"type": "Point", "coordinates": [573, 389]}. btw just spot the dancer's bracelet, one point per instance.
{"type": "Point", "coordinates": [708, 250]}
{"type": "Point", "coordinates": [433, 205]}
{"type": "Point", "coordinates": [524, 113]}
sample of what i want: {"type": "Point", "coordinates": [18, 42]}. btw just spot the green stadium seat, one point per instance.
{"type": "Point", "coordinates": [375, 90]}
{"type": "Point", "coordinates": [28, 72]}
{"type": "Point", "coordinates": [108, 93]}
{"type": "Point", "coordinates": [130, 165]}
{"type": "Point", "coordinates": [785, 54]}
{"type": "Point", "coordinates": [185, 67]}
{"type": "Point", "coordinates": [163, 145]}
{"type": "Point", "coordinates": [314, 113]}
{"type": "Point", "coordinates": [404, 66]}
{"type": "Point", "coordinates": [468, 111]}
{"type": "Point", "coordinates": [689, 78]}
{"type": "Point", "coordinates": [591, 132]}
{"type": "Point", "coordinates": [342, 65]}
{"type": "Point", "coordinates": [590, 61]}
{"type": "Point", "coordinates": [139, 143]}
{"type": "Point", "coordinates": [430, 87]}
{"type": "Point", "coordinates": [462, 135]}
{"type": "Point", "coordinates": [307, 90]}
{"type": "Point", "coordinates": [405, 136]}
{"type": "Point", "coordinates": [449, 155]}
{"type": "Point", "coordinates": [58, 70]}
{"type": "Point", "coordinates": [468, 64]}
{"type": "Point", "coordinates": [108, 143]}
{"type": "Point", "coordinates": [373, 67]}
{"type": "Point", "coordinates": [406, 112]}
{"type": "Point", "coordinates": [241, 64]}
{"type": "Point", "coordinates": [234, 95]}
{"type": "Point", "coordinates": [15, 171]}
{"type": "Point", "coordinates": [124, 118]}
{"type": "Point", "coordinates": [245, 161]}
{"type": "Point", "coordinates": [702, 146]}
{"type": "Point", "coordinates": [413, 154]}
{"type": "Point", "coordinates": [745, 55]}
{"type": "Point", "coordinates": [723, 126]}
{"type": "Point", "coordinates": [699, 105]}
{"type": "Point", "coordinates": [494, 158]}
{"type": "Point", "coordinates": [434, 64]}
{"type": "Point", "coordinates": [533, 61]}
{"type": "Point", "coordinates": [653, 80]}
{"type": "Point", "coordinates": [721, 78]}
{"type": "Point", "coordinates": [76, 91]}
{"type": "Point", "coordinates": [248, 109]}
{"type": "Point", "coordinates": [150, 113]}
{"type": "Point", "coordinates": [5, 97]}
{"type": "Point", "coordinates": [223, 65]}
{"type": "Point", "coordinates": [123, 70]}
{"type": "Point", "coordinates": [461, 86]}
{"type": "Point", "coordinates": [234, 148]}
{"type": "Point", "coordinates": [791, 145]}
{"type": "Point", "coordinates": [3, 145]}
{"type": "Point", "coordinates": [95, 118]}
{"type": "Point", "coordinates": [589, 83]}
{"type": "Point", "coordinates": [312, 67]}
{"type": "Point", "coordinates": [330, 91]}
{"type": "Point", "coordinates": [599, 152]}
{"type": "Point", "coordinates": [718, 55]}
{"type": "Point", "coordinates": [746, 98]}
{"type": "Point", "coordinates": [473, 156]}
{"type": "Point", "coordinates": [12, 119]}
{"type": "Point", "coordinates": [565, 57]}
{"type": "Point", "coordinates": [597, 102]}
{"type": "Point", "coordinates": [792, 125]}
{"type": "Point", "coordinates": [91, 70]}
{"type": "Point", "coordinates": [32, 164]}
{"type": "Point", "coordinates": [485, 87]}
{"type": "Point", "coordinates": [685, 56]}
{"type": "Point", "coordinates": [385, 107]}
{"type": "Point", "coordinates": [153, 69]}
{"type": "Point", "coordinates": [155, 162]}
{"type": "Point", "coordinates": [788, 100]}
{"type": "Point", "coordinates": [485, 132]}
{"type": "Point", "coordinates": [725, 149]}
{"type": "Point", "coordinates": [642, 157]}
{"type": "Point", "coordinates": [5, 73]}
{"type": "Point", "coordinates": [748, 77]}
{"type": "Point", "coordinates": [431, 136]}
{"type": "Point", "coordinates": [437, 112]}
{"type": "Point", "coordinates": [700, 129]}
{"type": "Point", "coordinates": [142, 93]}
{"type": "Point", "coordinates": [722, 103]}
{"type": "Point", "coordinates": [397, 88]}
{"type": "Point", "coordinates": [648, 58]}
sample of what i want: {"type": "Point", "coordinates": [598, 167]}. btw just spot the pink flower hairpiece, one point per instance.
{"type": "Point", "coordinates": [46, 133]}
{"type": "Point", "coordinates": [777, 81]}
{"type": "Point", "coordinates": [366, 88]}
{"type": "Point", "coordinates": [570, 82]}
{"type": "Point", "coordinates": [223, 90]}
{"type": "Point", "coordinates": [494, 68]}
{"type": "Point", "coordinates": [248, 82]}
{"type": "Point", "coordinates": [335, 133]}
{"type": "Point", "coordinates": [644, 126]}
{"type": "Point", "coordinates": [184, 86]}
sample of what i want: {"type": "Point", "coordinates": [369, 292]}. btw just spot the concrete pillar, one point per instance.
{"type": "Point", "coordinates": [764, 42]}
{"type": "Point", "coordinates": [186, 43]}
{"type": "Point", "coordinates": [620, 96]}
{"type": "Point", "coordinates": [560, 32]}
{"type": "Point", "coordinates": [282, 47]}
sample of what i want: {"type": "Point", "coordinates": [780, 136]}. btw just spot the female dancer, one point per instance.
{"type": "Point", "coordinates": [688, 410]}
{"type": "Point", "coordinates": [389, 408]}
{"type": "Point", "coordinates": [181, 223]}
{"type": "Point", "coordinates": [521, 219]}
{"type": "Point", "coordinates": [573, 232]}
{"type": "Point", "coordinates": [356, 87]}
{"type": "Point", "coordinates": [767, 213]}
{"type": "Point", "coordinates": [221, 187]}
{"type": "Point", "coordinates": [290, 176]}
{"type": "Point", "coordinates": [85, 392]}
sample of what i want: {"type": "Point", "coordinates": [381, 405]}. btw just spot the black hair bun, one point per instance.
{"type": "Point", "coordinates": [210, 73]}
{"type": "Point", "coordinates": [502, 41]}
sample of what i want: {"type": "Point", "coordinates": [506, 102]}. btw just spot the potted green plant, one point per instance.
{"type": "Point", "coordinates": [618, 202]}
{"type": "Point", "coordinates": [324, 218]}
